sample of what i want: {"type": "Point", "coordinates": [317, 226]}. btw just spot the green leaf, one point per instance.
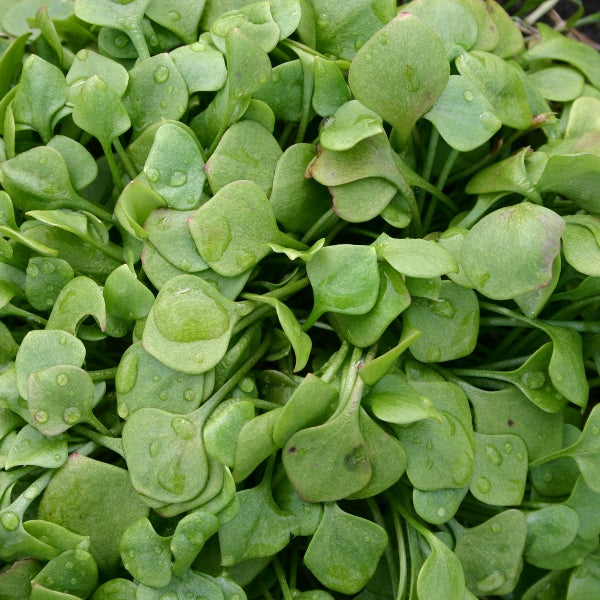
{"type": "Point", "coordinates": [46, 276]}
{"type": "Point", "coordinates": [449, 324]}
{"type": "Point", "coordinates": [189, 325]}
{"type": "Point", "coordinates": [178, 16]}
{"type": "Point", "coordinates": [100, 112]}
{"type": "Point", "coordinates": [258, 530]}
{"type": "Point", "coordinates": [344, 279]}
{"type": "Point", "coordinates": [30, 447]}
{"type": "Point", "coordinates": [80, 163]}
{"type": "Point", "coordinates": [463, 115]}
{"type": "Point", "coordinates": [491, 553]}
{"type": "Point", "coordinates": [232, 242]}
{"type": "Point", "coordinates": [41, 94]}
{"type": "Point", "coordinates": [156, 90]}
{"type": "Point", "coordinates": [500, 84]}
{"type": "Point", "coordinates": [124, 16]}
{"type": "Point", "coordinates": [351, 123]}
{"type": "Point", "coordinates": [400, 72]}
{"type": "Point", "coordinates": [415, 257]}
{"type": "Point", "coordinates": [201, 66]}
{"type": "Point", "coordinates": [441, 574]}
{"type": "Point", "coordinates": [133, 207]}
{"type": "Point", "coordinates": [42, 349]}
{"type": "Point", "coordinates": [87, 64]}
{"type": "Point", "coordinates": [246, 151]}
{"type": "Point", "coordinates": [344, 551]}
{"type": "Point", "coordinates": [500, 469]}
{"type": "Point", "coordinates": [73, 572]}
{"type": "Point", "coordinates": [90, 512]}
{"type": "Point", "coordinates": [145, 554]}
{"type": "Point", "coordinates": [502, 261]}
{"type": "Point", "coordinates": [175, 167]}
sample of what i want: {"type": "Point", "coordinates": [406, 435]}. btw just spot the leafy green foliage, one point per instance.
{"type": "Point", "coordinates": [298, 300]}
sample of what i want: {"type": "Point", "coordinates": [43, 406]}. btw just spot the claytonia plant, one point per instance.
{"type": "Point", "coordinates": [299, 300]}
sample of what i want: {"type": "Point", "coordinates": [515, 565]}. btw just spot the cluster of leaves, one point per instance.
{"type": "Point", "coordinates": [297, 300]}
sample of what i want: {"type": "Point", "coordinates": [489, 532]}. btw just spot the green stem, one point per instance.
{"type": "Point", "coordinates": [324, 223]}
{"type": "Point", "coordinates": [428, 165]}
{"type": "Point", "coordinates": [228, 386]}
{"type": "Point", "coordinates": [125, 159]}
{"type": "Point", "coordinates": [402, 562]}
{"type": "Point", "coordinates": [112, 443]}
{"type": "Point", "coordinates": [441, 182]}
{"type": "Point", "coordinates": [333, 365]}
{"type": "Point", "coordinates": [283, 584]}
{"type": "Point", "coordinates": [103, 374]}
{"type": "Point", "coordinates": [389, 555]}
{"type": "Point", "coordinates": [14, 311]}
{"type": "Point", "coordinates": [112, 165]}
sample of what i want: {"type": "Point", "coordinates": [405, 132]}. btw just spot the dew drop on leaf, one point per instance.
{"type": "Point", "coordinates": [484, 485]}
{"type": "Point", "coordinates": [152, 174]}
{"type": "Point", "coordinates": [174, 15]}
{"type": "Point", "coordinates": [121, 40]}
{"type": "Point", "coordinates": [71, 415]}
{"type": "Point", "coordinates": [492, 582]}
{"type": "Point", "coordinates": [153, 448]}
{"type": "Point", "coordinates": [62, 380]}
{"type": "Point", "coordinates": [184, 429]}
{"type": "Point", "coordinates": [534, 380]}
{"type": "Point", "coordinates": [177, 179]}
{"type": "Point", "coordinates": [493, 455]}
{"type": "Point", "coordinates": [198, 47]}
{"type": "Point", "coordinates": [41, 416]}
{"type": "Point", "coordinates": [10, 520]}
{"type": "Point", "coordinates": [161, 74]}
{"type": "Point", "coordinates": [508, 447]}
{"type": "Point", "coordinates": [469, 96]}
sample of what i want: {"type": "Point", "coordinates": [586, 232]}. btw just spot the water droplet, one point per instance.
{"type": "Point", "coordinates": [519, 456]}
{"type": "Point", "coordinates": [198, 47]}
{"type": "Point", "coordinates": [157, 550]}
{"type": "Point", "coordinates": [171, 478]}
{"type": "Point", "coordinates": [170, 90]}
{"type": "Point", "coordinates": [82, 55]}
{"type": "Point", "coordinates": [31, 492]}
{"type": "Point", "coordinates": [62, 340]}
{"type": "Point", "coordinates": [153, 448]}
{"type": "Point", "coordinates": [469, 96]}
{"type": "Point", "coordinates": [58, 458]}
{"type": "Point", "coordinates": [164, 104]}
{"type": "Point", "coordinates": [492, 582]}
{"type": "Point", "coordinates": [367, 539]}
{"type": "Point", "coordinates": [43, 160]}
{"type": "Point", "coordinates": [508, 447]}
{"type": "Point", "coordinates": [489, 121]}
{"type": "Point", "coordinates": [10, 520]}
{"type": "Point", "coordinates": [153, 40]}
{"type": "Point", "coordinates": [71, 415]}
{"type": "Point", "coordinates": [121, 40]}
{"type": "Point", "coordinates": [239, 94]}
{"type": "Point", "coordinates": [429, 445]}
{"type": "Point", "coordinates": [493, 455]}
{"type": "Point", "coordinates": [164, 395]}
{"type": "Point", "coordinates": [548, 477]}
{"type": "Point", "coordinates": [152, 174]}
{"type": "Point", "coordinates": [26, 443]}
{"type": "Point", "coordinates": [161, 74]}
{"type": "Point", "coordinates": [263, 78]}
{"type": "Point", "coordinates": [534, 380]}
{"type": "Point", "coordinates": [62, 379]}
{"type": "Point", "coordinates": [434, 353]}
{"type": "Point", "coordinates": [177, 179]}
{"type": "Point", "coordinates": [41, 416]}
{"type": "Point", "coordinates": [189, 395]}
{"type": "Point", "coordinates": [156, 377]}
{"type": "Point", "coordinates": [275, 76]}
{"type": "Point", "coordinates": [441, 511]}
{"type": "Point", "coordinates": [496, 528]}
{"type": "Point", "coordinates": [484, 485]}
{"type": "Point", "coordinates": [559, 377]}
{"type": "Point", "coordinates": [47, 267]}
{"type": "Point", "coordinates": [69, 565]}
{"type": "Point", "coordinates": [416, 440]}
{"type": "Point", "coordinates": [444, 308]}
{"type": "Point", "coordinates": [174, 15]}
{"type": "Point", "coordinates": [185, 429]}
{"type": "Point", "coordinates": [32, 270]}
{"type": "Point", "coordinates": [246, 385]}
{"type": "Point", "coordinates": [595, 430]}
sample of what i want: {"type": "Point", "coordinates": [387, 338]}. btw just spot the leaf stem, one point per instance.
{"type": "Point", "coordinates": [112, 165]}
{"type": "Point", "coordinates": [389, 555]}
{"type": "Point", "coordinates": [324, 223]}
{"type": "Point", "coordinates": [283, 584]}
{"type": "Point", "coordinates": [103, 374]}
{"type": "Point", "coordinates": [125, 159]}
